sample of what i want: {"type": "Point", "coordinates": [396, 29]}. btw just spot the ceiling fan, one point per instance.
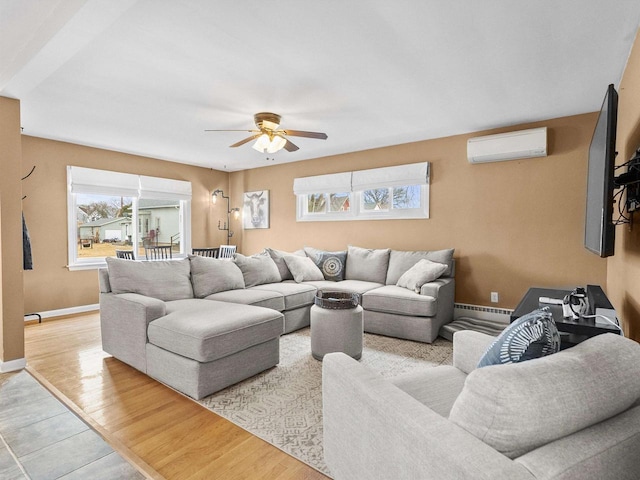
{"type": "Point", "coordinates": [269, 137]}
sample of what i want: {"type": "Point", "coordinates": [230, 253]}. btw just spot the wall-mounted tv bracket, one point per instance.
{"type": "Point", "coordinates": [629, 183]}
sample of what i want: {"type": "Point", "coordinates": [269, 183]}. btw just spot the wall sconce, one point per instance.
{"type": "Point", "coordinates": [236, 213]}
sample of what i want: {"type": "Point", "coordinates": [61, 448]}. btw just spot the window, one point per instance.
{"type": "Point", "coordinates": [316, 203]}
{"type": "Point", "coordinates": [381, 193]}
{"type": "Point", "coordinates": [104, 207]}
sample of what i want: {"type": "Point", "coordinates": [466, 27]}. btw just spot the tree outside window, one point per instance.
{"type": "Point", "coordinates": [316, 203]}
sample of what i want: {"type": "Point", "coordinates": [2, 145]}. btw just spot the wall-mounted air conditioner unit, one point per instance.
{"type": "Point", "coordinates": [508, 146]}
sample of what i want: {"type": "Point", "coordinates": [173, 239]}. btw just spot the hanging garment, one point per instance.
{"type": "Point", "coordinates": [27, 259]}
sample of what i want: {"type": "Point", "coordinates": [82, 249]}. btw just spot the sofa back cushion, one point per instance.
{"type": "Point", "coordinates": [401, 261]}
{"type": "Point", "coordinates": [518, 407]}
{"type": "Point", "coordinates": [303, 269]}
{"type": "Point", "coordinates": [366, 264]}
{"type": "Point", "coordinates": [257, 269]}
{"type": "Point", "coordinates": [278, 257]}
{"type": "Point", "coordinates": [165, 280]}
{"type": "Point", "coordinates": [213, 275]}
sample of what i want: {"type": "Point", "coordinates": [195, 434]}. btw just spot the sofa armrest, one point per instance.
{"type": "Point", "coordinates": [372, 429]}
{"type": "Point", "coordinates": [123, 323]}
{"type": "Point", "coordinates": [432, 289]}
{"type": "Point", "coordinates": [103, 280]}
{"type": "Point", "coordinates": [468, 348]}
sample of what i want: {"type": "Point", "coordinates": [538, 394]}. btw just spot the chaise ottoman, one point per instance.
{"type": "Point", "coordinates": [202, 346]}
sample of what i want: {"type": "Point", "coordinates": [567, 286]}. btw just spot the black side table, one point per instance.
{"type": "Point", "coordinates": [571, 331]}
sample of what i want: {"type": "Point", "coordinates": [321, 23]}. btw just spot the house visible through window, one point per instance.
{"type": "Point", "coordinates": [104, 207]}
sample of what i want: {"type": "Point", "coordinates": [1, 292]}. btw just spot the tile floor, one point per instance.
{"type": "Point", "coordinates": [40, 439]}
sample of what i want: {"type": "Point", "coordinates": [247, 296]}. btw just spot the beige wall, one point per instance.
{"type": "Point", "coordinates": [50, 285]}
{"type": "Point", "coordinates": [623, 275]}
{"type": "Point", "coordinates": [11, 304]}
{"type": "Point", "coordinates": [513, 224]}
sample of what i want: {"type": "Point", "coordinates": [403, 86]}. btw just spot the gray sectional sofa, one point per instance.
{"type": "Point", "coordinates": [567, 416]}
{"type": "Point", "coordinates": [201, 324]}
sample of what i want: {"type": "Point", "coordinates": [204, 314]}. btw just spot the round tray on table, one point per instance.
{"type": "Point", "coordinates": [334, 300]}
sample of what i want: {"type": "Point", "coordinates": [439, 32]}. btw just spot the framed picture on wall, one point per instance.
{"type": "Point", "coordinates": [255, 209]}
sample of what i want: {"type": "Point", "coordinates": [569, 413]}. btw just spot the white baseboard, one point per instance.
{"type": "Point", "coordinates": [13, 365]}
{"type": "Point", "coordinates": [63, 311]}
{"type": "Point", "coordinates": [481, 312]}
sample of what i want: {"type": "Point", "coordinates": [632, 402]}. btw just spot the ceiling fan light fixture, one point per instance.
{"type": "Point", "coordinates": [262, 143]}
{"type": "Point", "coordinates": [277, 143]}
{"type": "Point", "coordinates": [269, 144]}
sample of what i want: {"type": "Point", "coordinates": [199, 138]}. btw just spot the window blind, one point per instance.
{"type": "Point", "coordinates": [105, 182]}
{"type": "Point", "coordinates": [396, 176]}
{"type": "Point", "coordinates": [101, 182]}
{"type": "Point", "coordinates": [332, 183]}
{"type": "Point", "coordinates": [164, 188]}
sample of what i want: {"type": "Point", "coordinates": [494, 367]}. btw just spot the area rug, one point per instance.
{"type": "Point", "coordinates": [283, 405]}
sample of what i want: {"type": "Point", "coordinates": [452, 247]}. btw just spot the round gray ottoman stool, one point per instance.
{"type": "Point", "coordinates": [336, 324]}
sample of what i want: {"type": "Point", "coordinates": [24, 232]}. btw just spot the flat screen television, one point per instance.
{"type": "Point", "coordinates": [599, 229]}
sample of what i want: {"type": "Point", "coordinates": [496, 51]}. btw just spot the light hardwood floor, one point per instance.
{"type": "Point", "coordinates": [162, 432]}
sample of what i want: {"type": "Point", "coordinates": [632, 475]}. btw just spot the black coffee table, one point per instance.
{"type": "Point", "coordinates": [571, 331]}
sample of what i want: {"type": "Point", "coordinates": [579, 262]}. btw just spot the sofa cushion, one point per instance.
{"type": "Point", "coordinates": [332, 265]}
{"type": "Point", "coordinates": [295, 295]}
{"type": "Point", "coordinates": [250, 296]}
{"type": "Point", "coordinates": [278, 257]}
{"type": "Point", "coordinates": [212, 275]}
{"type": "Point", "coordinates": [424, 271]}
{"type": "Point", "coordinates": [164, 280]}
{"type": "Point", "coordinates": [214, 329]}
{"type": "Point", "coordinates": [531, 336]}
{"type": "Point", "coordinates": [353, 286]}
{"type": "Point", "coordinates": [399, 300]}
{"type": "Point", "coordinates": [302, 268]}
{"type": "Point", "coordinates": [257, 269]}
{"type": "Point", "coordinates": [517, 407]}
{"type": "Point", "coordinates": [401, 261]}
{"type": "Point", "coordinates": [367, 264]}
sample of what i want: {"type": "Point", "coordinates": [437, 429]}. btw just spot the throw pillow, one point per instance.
{"type": "Point", "coordinates": [213, 275]}
{"type": "Point", "coordinates": [303, 269]}
{"type": "Point", "coordinates": [257, 269]}
{"type": "Point", "coordinates": [401, 261]}
{"type": "Point", "coordinates": [278, 257]}
{"type": "Point", "coordinates": [165, 280]}
{"type": "Point", "coordinates": [424, 271]}
{"type": "Point", "coordinates": [366, 264]}
{"type": "Point", "coordinates": [531, 336]}
{"type": "Point", "coordinates": [312, 252]}
{"type": "Point", "coordinates": [331, 264]}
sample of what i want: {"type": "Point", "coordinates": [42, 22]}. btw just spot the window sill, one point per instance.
{"type": "Point", "coordinates": [87, 266]}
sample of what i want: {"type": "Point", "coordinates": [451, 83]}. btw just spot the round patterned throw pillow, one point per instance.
{"type": "Point", "coordinates": [332, 265]}
{"type": "Point", "coordinates": [531, 336]}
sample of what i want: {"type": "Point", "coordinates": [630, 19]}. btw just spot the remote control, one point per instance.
{"type": "Point", "coordinates": [551, 301]}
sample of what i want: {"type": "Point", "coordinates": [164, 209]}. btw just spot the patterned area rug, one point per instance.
{"type": "Point", "coordinates": [283, 405]}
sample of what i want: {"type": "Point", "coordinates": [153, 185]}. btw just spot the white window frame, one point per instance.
{"type": "Point", "coordinates": [358, 182]}
{"type": "Point", "coordinates": [81, 180]}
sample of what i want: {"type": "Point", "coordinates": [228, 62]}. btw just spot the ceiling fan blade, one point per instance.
{"type": "Point", "coordinates": [300, 133]}
{"type": "Point", "coordinates": [244, 130]}
{"type": "Point", "coordinates": [290, 147]}
{"type": "Point", "coordinates": [242, 142]}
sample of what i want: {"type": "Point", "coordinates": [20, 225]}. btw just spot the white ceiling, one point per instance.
{"type": "Point", "coordinates": [149, 76]}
